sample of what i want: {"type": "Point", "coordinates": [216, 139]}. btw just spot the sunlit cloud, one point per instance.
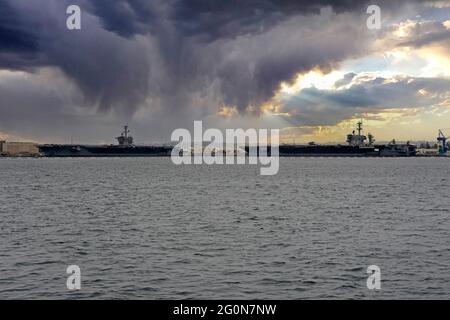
{"type": "Point", "coordinates": [228, 112]}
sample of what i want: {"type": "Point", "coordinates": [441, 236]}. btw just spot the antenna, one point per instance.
{"type": "Point", "coordinates": [360, 127]}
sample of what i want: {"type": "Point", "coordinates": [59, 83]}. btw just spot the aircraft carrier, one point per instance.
{"type": "Point", "coordinates": [124, 148]}
{"type": "Point", "coordinates": [358, 145]}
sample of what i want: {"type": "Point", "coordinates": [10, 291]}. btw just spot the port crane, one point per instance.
{"type": "Point", "coordinates": [442, 143]}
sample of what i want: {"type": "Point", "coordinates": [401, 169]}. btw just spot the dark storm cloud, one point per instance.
{"type": "Point", "coordinates": [217, 19]}
{"type": "Point", "coordinates": [111, 71]}
{"type": "Point", "coordinates": [14, 38]}
{"type": "Point", "coordinates": [195, 42]}
{"type": "Point", "coordinates": [186, 57]}
{"type": "Point", "coordinates": [114, 68]}
{"type": "Point", "coordinates": [213, 19]}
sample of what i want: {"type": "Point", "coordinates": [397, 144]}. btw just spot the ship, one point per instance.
{"type": "Point", "coordinates": [357, 145]}
{"type": "Point", "coordinates": [124, 148]}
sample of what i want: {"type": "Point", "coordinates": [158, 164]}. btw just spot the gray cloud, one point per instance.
{"type": "Point", "coordinates": [347, 79]}
{"type": "Point", "coordinates": [425, 33]}
{"type": "Point", "coordinates": [312, 106]}
{"type": "Point", "coordinates": [427, 39]}
{"type": "Point", "coordinates": [112, 72]}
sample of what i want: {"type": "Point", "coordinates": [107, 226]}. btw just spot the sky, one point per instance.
{"type": "Point", "coordinates": [309, 68]}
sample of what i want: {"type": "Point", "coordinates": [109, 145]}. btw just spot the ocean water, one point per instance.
{"type": "Point", "coordinates": [143, 228]}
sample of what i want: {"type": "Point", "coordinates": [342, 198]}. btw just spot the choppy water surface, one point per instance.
{"type": "Point", "coordinates": [145, 228]}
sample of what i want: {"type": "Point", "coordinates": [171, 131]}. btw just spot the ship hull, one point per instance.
{"type": "Point", "coordinates": [284, 151]}
{"type": "Point", "coordinates": [401, 150]}
{"type": "Point", "coordinates": [103, 151]}
{"type": "Point", "coordinates": [327, 151]}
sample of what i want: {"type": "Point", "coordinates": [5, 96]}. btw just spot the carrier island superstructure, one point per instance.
{"type": "Point", "coordinates": [124, 148]}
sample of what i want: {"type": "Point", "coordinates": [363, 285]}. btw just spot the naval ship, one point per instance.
{"type": "Point", "coordinates": [358, 145]}
{"type": "Point", "coordinates": [124, 148]}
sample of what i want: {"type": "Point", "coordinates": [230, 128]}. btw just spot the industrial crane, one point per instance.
{"type": "Point", "coordinates": [442, 143]}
